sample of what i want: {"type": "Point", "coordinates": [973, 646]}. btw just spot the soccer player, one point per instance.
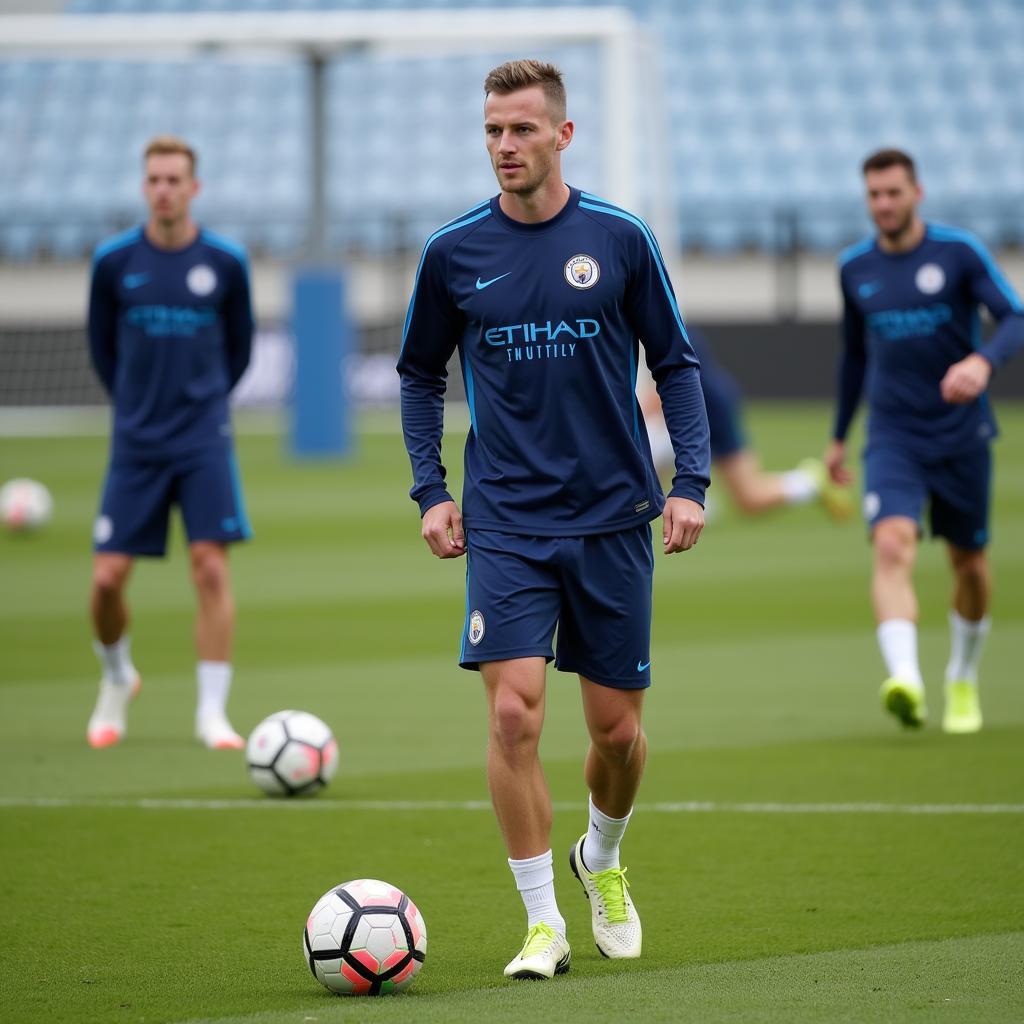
{"type": "Point", "coordinates": [911, 299]}
{"type": "Point", "coordinates": [170, 333]}
{"type": "Point", "coordinates": [754, 490]}
{"type": "Point", "coordinates": [544, 291]}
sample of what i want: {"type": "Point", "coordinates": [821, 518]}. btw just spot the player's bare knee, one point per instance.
{"type": "Point", "coordinates": [969, 566]}
{"type": "Point", "coordinates": [616, 742]}
{"type": "Point", "coordinates": [514, 723]}
{"type": "Point", "coordinates": [210, 571]}
{"type": "Point", "coordinates": [109, 577]}
{"type": "Point", "coordinates": [894, 546]}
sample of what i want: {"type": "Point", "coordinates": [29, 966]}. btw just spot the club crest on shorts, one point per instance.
{"type": "Point", "coordinates": [582, 271]}
{"type": "Point", "coordinates": [476, 627]}
{"type": "Point", "coordinates": [930, 278]}
{"type": "Point", "coordinates": [872, 505]}
{"type": "Point", "coordinates": [201, 279]}
{"type": "Point", "coordinates": [103, 529]}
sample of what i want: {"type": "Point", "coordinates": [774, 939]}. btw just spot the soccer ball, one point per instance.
{"type": "Point", "coordinates": [291, 752]}
{"type": "Point", "coordinates": [364, 938]}
{"type": "Point", "coordinates": [25, 505]}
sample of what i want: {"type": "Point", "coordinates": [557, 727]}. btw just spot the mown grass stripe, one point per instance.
{"type": "Point", "coordinates": [662, 807]}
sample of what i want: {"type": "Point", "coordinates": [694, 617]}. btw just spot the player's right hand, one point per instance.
{"type": "Point", "coordinates": [442, 530]}
{"type": "Point", "coordinates": [835, 463]}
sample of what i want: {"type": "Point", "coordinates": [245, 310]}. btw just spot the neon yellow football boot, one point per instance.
{"type": "Point", "coordinates": [545, 953]}
{"type": "Point", "coordinates": [963, 709]}
{"type": "Point", "coordinates": [904, 701]}
{"type": "Point", "coordinates": [613, 918]}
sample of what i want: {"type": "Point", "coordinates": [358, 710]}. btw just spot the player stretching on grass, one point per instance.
{"type": "Point", "coordinates": [170, 332]}
{"type": "Point", "coordinates": [545, 291]}
{"type": "Point", "coordinates": [911, 328]}
{"type": "Point", "coordinates": [734, 462]}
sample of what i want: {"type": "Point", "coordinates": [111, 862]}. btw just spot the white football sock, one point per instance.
{"type": "Point", "coordinates": [535, 880]}
{"type": "Point", "coordinates": [214, 683]}
{"type": "Point", "coordinates": [601, 844]}
{"type": "Point", "coordinates": [116, 659]}
{"type": "Point", "coordinates": [967, 639]}
{"type": "Point", "coordinates": [898, 640]}
{"type": "Point", "coordinates": [799, 487]}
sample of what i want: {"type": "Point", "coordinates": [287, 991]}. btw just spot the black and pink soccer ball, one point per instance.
{"type": "Point", "coordinates": [365, 938]}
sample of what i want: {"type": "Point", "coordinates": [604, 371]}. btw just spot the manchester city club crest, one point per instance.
{"type": "Point", "coordinates": [582, 271]}
{"type": "Point", "coordinates": [476, 627]}
{"type": "Point", "coordinates": [930, 278]}
{"type": "Point", "coordinates": [201, 279]}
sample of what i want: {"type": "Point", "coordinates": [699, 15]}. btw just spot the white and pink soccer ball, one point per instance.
{"type": "Point", "coordinates": [365, 938]}
{"type": "Point", "coordinates": [25, 505]}
{"type": "Point", "coordinates": [291, 753]}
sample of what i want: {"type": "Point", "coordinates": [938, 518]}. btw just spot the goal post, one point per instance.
{"type": "Point", "coordinates": [628, 105]}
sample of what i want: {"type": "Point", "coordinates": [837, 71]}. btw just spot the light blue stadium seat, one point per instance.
{"type": "Point", "coordinates": [767, 101]}
{"type": "Point", "coordinates": [19, 242]}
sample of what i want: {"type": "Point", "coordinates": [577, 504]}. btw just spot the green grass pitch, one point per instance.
{"type": "Point", "coordinates": [795, 857]}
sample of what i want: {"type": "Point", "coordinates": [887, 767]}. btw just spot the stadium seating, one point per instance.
{"type": "Point", "coordinates": [770, 107]}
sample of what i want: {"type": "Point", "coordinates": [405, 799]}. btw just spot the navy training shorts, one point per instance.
{"type": "Point", "coordinates": [956, 490]}
{"type": "Point", "coordinates": [595, 589]}
{"type": "Point", "coordinates": [138, 494]}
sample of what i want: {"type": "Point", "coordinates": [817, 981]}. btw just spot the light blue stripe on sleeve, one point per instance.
{"type": "Point", "coordinates": [941, 233]}
{"type": "Point", "coordinates": [632, 393]}
{"type": "Point", "coordinates": [228, 245]}
{"type": "Point", "coordinates": [614, 211]}
{"type": "Point", "coordinates": [486, 212]}
{"type": "Point", "coordinates": [855, 250]}
{"type": "Point", "coordinates": [467, 373]}
{"type": "Point", "coordinates": [129, 237]}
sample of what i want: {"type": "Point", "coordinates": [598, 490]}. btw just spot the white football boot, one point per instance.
{"type": "Point", "coordinates": [107, 723]}
{"type": "Point", "coordinates": [545, 953]}
{"type": "Point", "coordinates": [214, 730]}
{"type": "Point", "coordinates": [613, 918]}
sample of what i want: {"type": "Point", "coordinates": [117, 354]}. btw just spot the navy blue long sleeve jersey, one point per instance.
{"type": "Point", "coordinates": [907, 317]}
{"type": "Point", "coordinates": [170, 334]}
{"type": "Point", "coordinates": [547, 319]}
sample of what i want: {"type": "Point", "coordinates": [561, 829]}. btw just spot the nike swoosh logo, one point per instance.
{"type": "Point", "coordinates": [481, 285]}
{"type": "Point", "coordinates": [869, 289]}
{"type": "Point", "coordinates": [642, 666]}
{"type": "Point", "coordinates": [135, 280]}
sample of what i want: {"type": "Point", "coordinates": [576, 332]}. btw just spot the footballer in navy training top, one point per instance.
{"type": "Point", "coordinates": [170, 334]}
{"type": "Point", "coordinates": [547, 292]}
{"type": "Point", "coordinates": [912, 298]}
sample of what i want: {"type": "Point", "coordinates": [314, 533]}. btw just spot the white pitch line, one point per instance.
{"type": "Point", "coordinates": [326, 804]}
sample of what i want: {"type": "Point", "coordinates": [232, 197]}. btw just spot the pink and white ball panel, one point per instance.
{"type": "Point", "coordinates": [365, 937]}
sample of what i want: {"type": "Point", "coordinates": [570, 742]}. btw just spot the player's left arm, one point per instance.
{"type": "Point", "coordinates": [239, 323]}
{"type": "Point", "coordinates": [654, 315]}
{"type": "Point", "coordinates": [102, 324]}
{"type": "Point", "coordinates": [965, 380]}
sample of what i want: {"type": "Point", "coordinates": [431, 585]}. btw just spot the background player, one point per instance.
{"type": "Point", "coordinates": [545, 290]}
{"type": "Point", "coordinates": [911, 329]}
{"type": "Point", "coordinates": [170, 333]}
{"type": "Point", "coordinates": [734, 463]}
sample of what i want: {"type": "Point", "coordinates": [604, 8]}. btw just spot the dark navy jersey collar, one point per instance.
{"type": "Point", "coordinates": [925, 239]}
{"type": "Point", "coordinates": [153, 247]}
{"type": "Point", "coordinates": [530, 228]}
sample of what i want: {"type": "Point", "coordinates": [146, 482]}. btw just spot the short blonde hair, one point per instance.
{"type": "Point", "coordinates": [514, 75]}
{"type": "Point", "coordinates": [165, 145]}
